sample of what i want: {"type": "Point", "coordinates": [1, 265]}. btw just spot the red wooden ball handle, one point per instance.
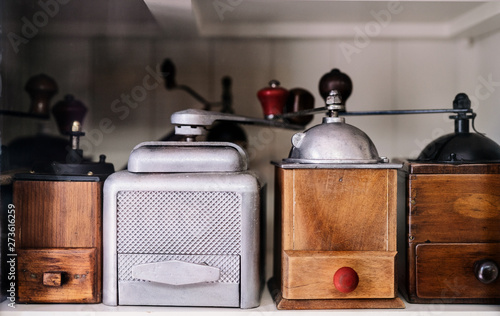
{"type": "Point", "coordinates": [345, 280]}
{"type": "Point", "coordinates": [272, 99]}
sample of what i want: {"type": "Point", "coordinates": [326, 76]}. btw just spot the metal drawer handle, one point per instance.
{"type": "Point", "coordinates": [176, 272]}
{"type": "Point", "coordinates": [486, 271]}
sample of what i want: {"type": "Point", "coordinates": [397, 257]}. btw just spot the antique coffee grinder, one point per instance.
{"type": "Point", "coordinates": [184, 225]}
{"type": "Point", "coordinates": [59, 220]}
{"type": "Point", "coordinates": [453, 217]}
{"type": "Point", "coordinates": [336, 206]}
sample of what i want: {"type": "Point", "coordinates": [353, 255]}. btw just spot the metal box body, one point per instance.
{"type": "Point", "coordinates": [184, 239]}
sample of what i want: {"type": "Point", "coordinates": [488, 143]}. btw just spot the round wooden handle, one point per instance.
{"type": "Point", "coordinates": [41, 89]}
{"type": "Point", "coordinates": [335, 80]}
{"type": "Point", "coordinates": [272, 99]}
{"type": "Point", "coordinates": [68, 111]}
{"type": "Point", "coordinates": [298, 100]}
{"type": "Point", "coordinates": [345, 280]}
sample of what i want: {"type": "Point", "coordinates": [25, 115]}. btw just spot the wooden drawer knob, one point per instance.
{"type": "Point", "coordinates": [52, 278]}
{"type": "Point", "coordinates": [486, 271]}
{"type": "Point", "coordinates": [345, 280]}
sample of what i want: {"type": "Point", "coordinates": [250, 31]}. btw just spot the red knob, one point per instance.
{"type": "Point", "coordinates": [272, 99]}
{"type": "Point", "coordinates": [345, 280]}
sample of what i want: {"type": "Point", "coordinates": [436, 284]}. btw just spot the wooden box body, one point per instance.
{"type": "Point", "coordinates": [326, 219]}
{"type": "Point", "coordinates": [59, 241]}
{"type": "Point", "coordinates": [453, 221]}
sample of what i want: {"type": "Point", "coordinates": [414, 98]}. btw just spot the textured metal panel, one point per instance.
{"type": "Point", "coordinates": [229, 265]}
{"type": "Point", "coordinates": [179, 222]}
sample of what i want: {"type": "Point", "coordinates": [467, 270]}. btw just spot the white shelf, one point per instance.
{"type": "Point", "coordinates": [267, 307]}
{"type": "Point", "coordinates": [405, 19]}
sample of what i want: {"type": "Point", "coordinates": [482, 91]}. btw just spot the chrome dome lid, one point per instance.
{"type": "Point", "coordinates": [334, 141]}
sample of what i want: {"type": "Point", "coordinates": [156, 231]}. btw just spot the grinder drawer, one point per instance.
{"type": "Point", "coordinates": [193, 280]}
{"type": "Point", "coordinates": [58, 275]}
{"type": "Point", "coordinates": [324, 274]}
{"type": "Point", "coordinates": [447, 270]}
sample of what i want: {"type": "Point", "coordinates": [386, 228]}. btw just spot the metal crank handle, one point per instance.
{"type": "Point", "coordinates": [194, 122]}
{"type": "Point", "coordinates": [362, 113]}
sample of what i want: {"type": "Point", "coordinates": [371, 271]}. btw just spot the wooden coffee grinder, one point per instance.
{"type": "Point", "coordinates": [59, 222]}
{"type": "Point", "coordinates": [453, 218]}
{"type": "Point", "coordinates": [335, 215]}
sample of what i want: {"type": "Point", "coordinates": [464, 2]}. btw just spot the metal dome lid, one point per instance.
{"type": "Point", "coordinates": [334, 141]}
{"type": "Point", "coordinates": [461, 146]}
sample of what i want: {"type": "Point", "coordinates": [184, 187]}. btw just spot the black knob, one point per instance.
{"type": "Point", "coordinates": [168, 72]}
{"type": "Point", "coordinates": [335, 80]}
{"type": "Point", "coordinates": [486, 271]}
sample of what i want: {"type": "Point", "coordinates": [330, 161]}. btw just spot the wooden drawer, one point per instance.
{"type": "Point", "coordinates": [309, 274]}
{"type": "Point", "coordinates": [446, 271]}
{"type": "Point", "coordinates": [58, 275]}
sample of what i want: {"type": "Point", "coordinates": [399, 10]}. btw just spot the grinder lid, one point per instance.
{"type": "Point", "coordinates": [461, 146]}
{"type": "Point", "coordinates": [334, 141]}
{"type": "Point", "coordinates": [187, 157]}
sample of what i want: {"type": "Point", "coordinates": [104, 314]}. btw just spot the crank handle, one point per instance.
{"type": "Point", "coordinates": [195, 122]}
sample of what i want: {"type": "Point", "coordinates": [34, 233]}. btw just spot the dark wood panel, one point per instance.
{"type": "Point", "coordinates": [447, 270]}
{"type": "Point", "coordinates": [429, 168]}
{"type": "Point", "coordinates": [454, 208]}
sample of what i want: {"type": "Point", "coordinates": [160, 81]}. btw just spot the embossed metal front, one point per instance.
{"type": "Point", "coordinates": [201, 227]}
{"type": "Point", "coordinates": [178, 222]}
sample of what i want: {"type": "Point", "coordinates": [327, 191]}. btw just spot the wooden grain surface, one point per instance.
{"type": "Point", "coordinates": [309, 274]}
{"type": "Point", "coordinates": [454, 208]}
{"type": "Point", "coordinates": [58, 214]}
{"type": "Point", "coordinates": [339, 209]}
{"type": "Point", "coordinates": [77, 267]}
{"type": "Point", "coordinates": [447, 270]}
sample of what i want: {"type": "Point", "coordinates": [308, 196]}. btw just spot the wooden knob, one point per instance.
{"type": "Point", "coordinates": [298, 100]}
{"type": "Point", "coordinates": [52, 278]}
{"type": "Point", "coordinates": [68, 111]}
{"type": "Point", "coordinates": [345, 280]}
{"type": "Point", "coordinates": [335, 80]}
{"type": "Point", "coordinates": [41, 89]}
{"type": "Point", "coordinates": [272, 99]}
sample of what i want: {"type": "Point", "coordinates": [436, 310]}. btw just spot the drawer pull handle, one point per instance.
{"type": "Point", "coordinates": [52, 279]}
{"type": "Point", "coordinates": [345, 280]}
{"type": "Point", "coordinates": [486, 271]}
{"type": "Point", "coordinates": [175, 272]}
